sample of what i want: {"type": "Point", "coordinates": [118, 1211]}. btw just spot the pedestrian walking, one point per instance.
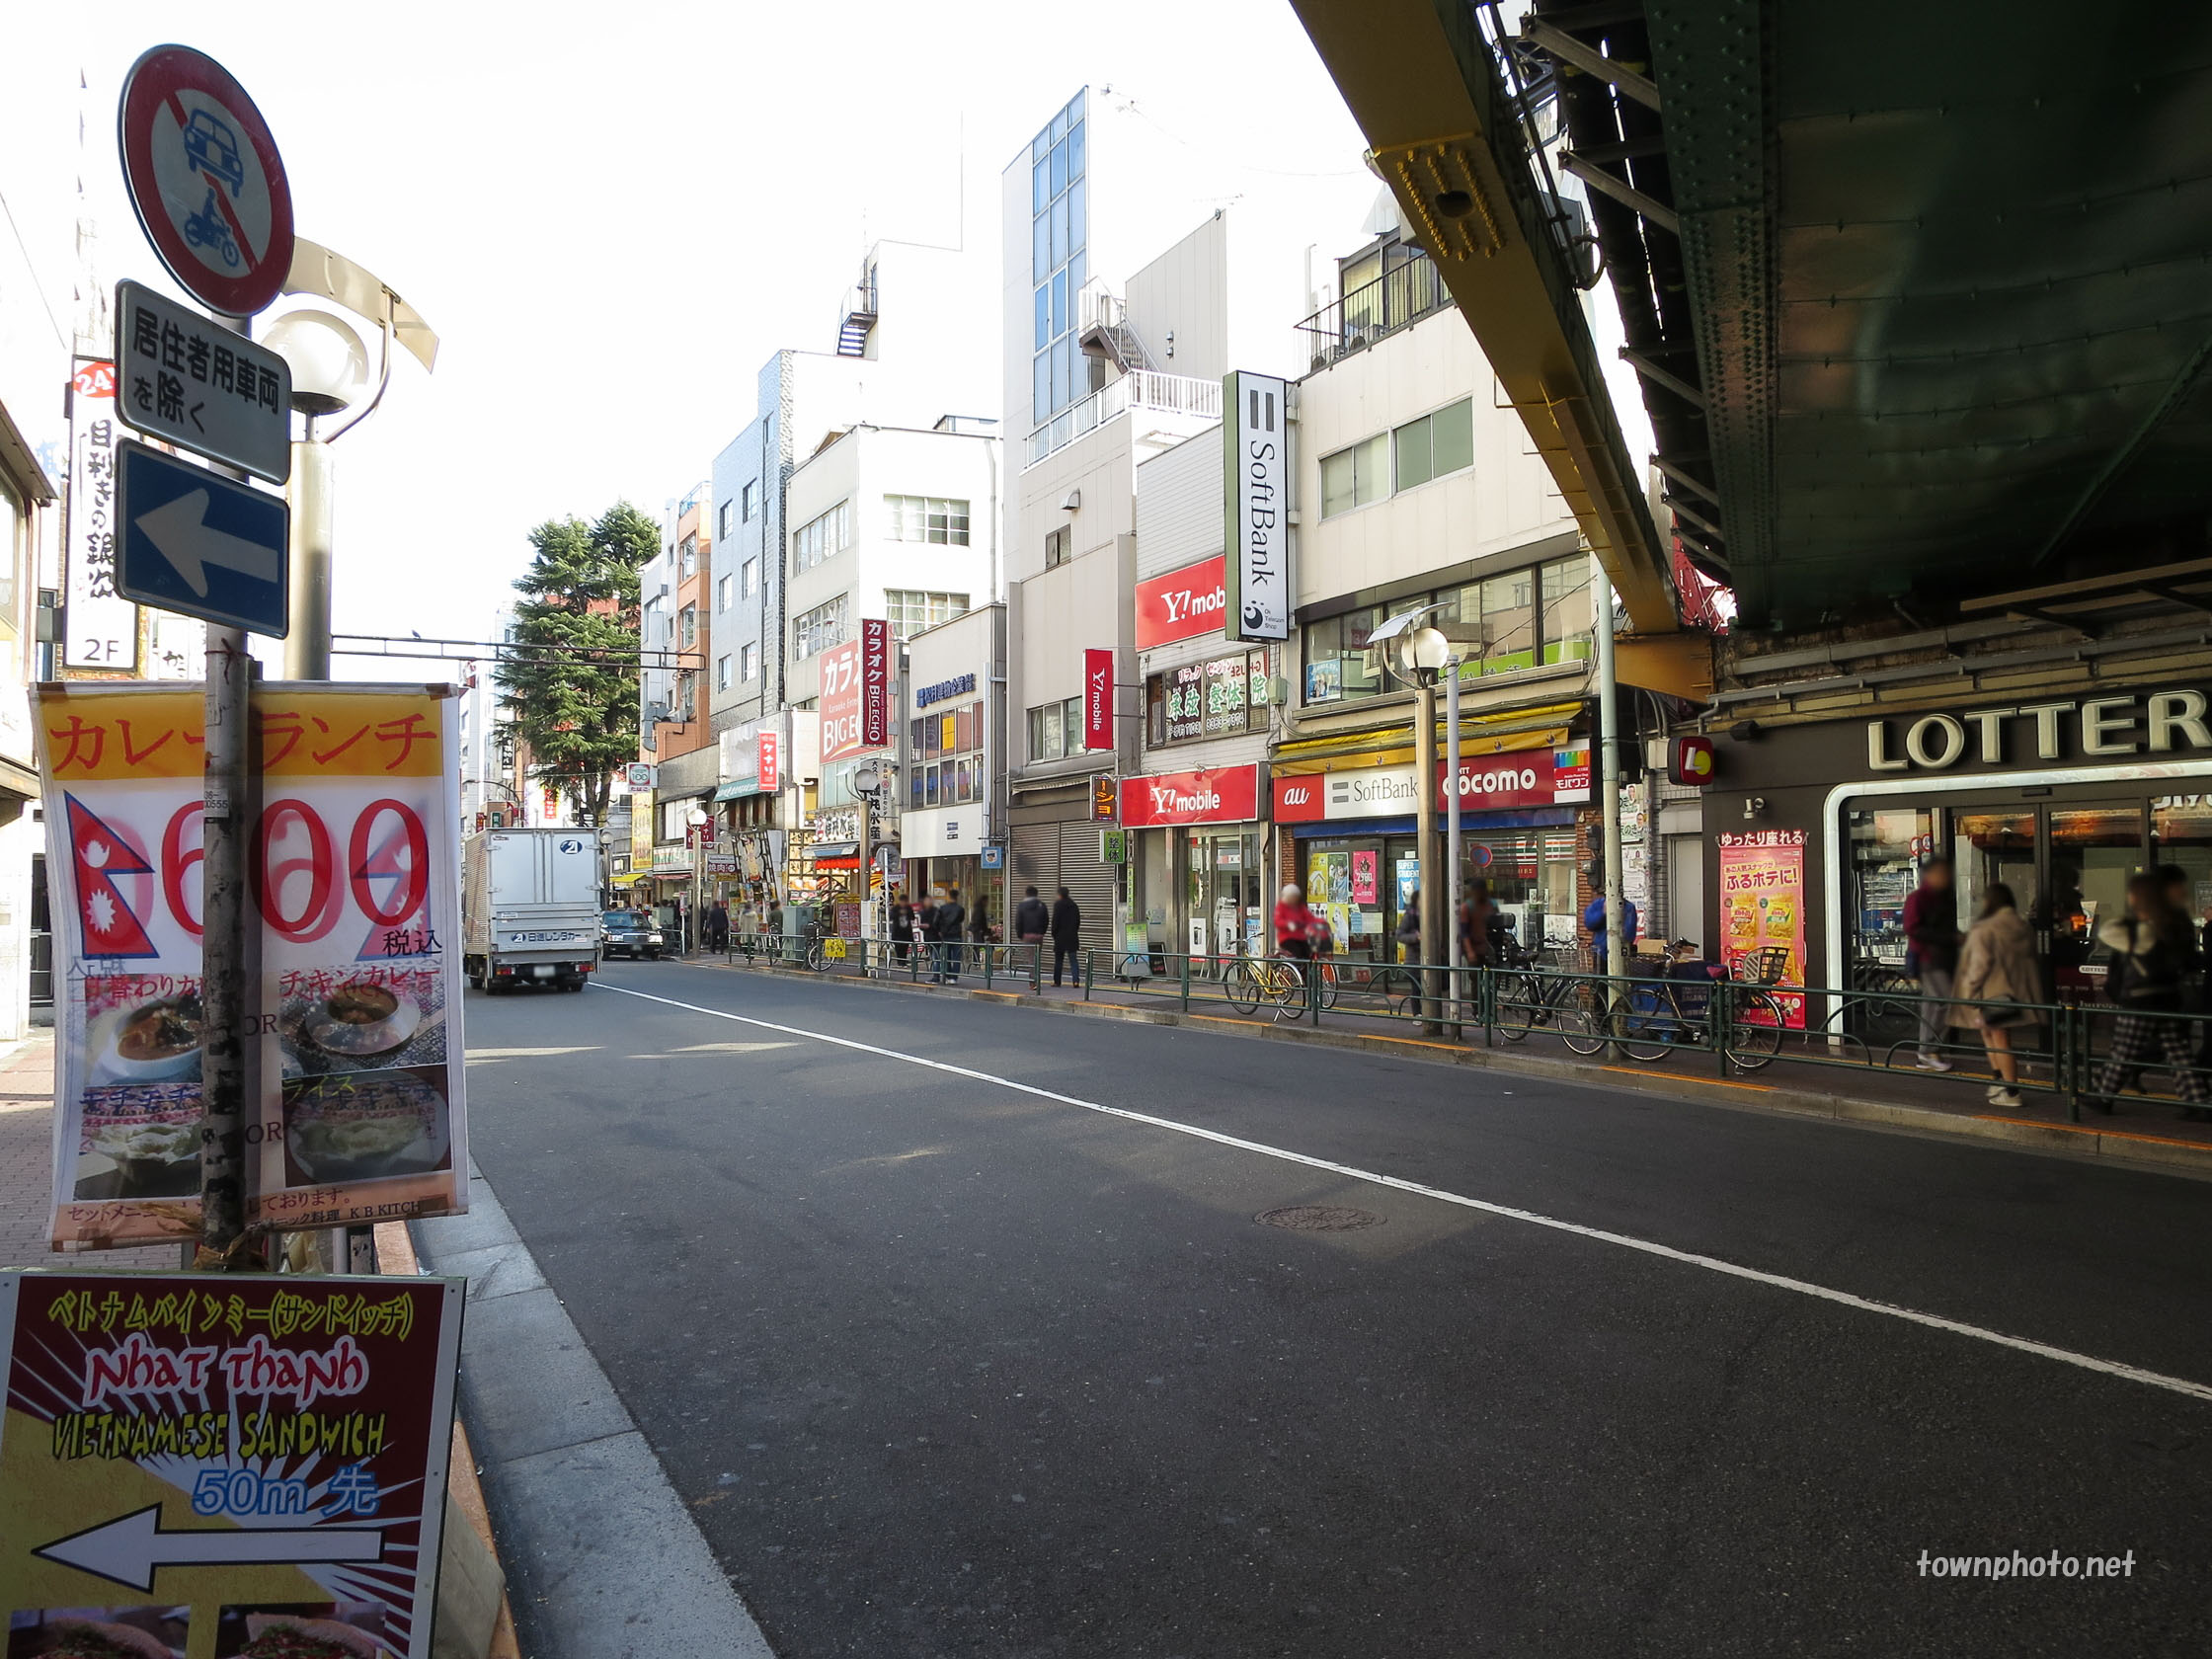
{"type": "Point", "coordinates": [2152, 952]}
{"type": "Point", "coordinates": [902, 928]}
{"type": "Point", "coordinates": [1410, 929]}
{"type": "Point", "coordinates": [952, 918]}
{"type": "Point", "coordinates": [1067, 938]}
{"type": "Point", "coordinates": [1032, 922]}
{"type": "Point", "coordinates": [1998, 984]}
{"type": "Point", "coordinates": [1476, 913]}
{"type": "Point", "coordinates": [718, 927]}
{"type": "Point", "coordinates": [1931, 955]}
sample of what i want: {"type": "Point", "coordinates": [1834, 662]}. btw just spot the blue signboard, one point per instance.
{"type": "Point", "coordinates": [191, 541]}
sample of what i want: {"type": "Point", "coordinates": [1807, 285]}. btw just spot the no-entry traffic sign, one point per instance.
{"type": "Point", "coordinates": [206, 180]}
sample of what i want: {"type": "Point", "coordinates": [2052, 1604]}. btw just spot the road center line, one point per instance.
{"type": "Point", "coordinates": [1666, 1252]}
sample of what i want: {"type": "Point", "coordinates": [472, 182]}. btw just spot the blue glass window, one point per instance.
{"type": "Point", "coordinates": [1059, 127]}
{"type": "Point", "coordinates": [1075, 236]}
{"type": "Point", "coordinates": [1041, 255]}
{"type": "Point", "coordinates": [1059, 306]}
{"type": "Point", "coordinates": [1038, 192]}
{"type": "Point", "coordinates": [1041, 394]}
{"type": "Point", "coordinates": [1059, 168]}
{"type": "Point", "coordinates": [1076, 152]}
{"type": "Point", "coordinates": [1045, 329]}
{"type": "Point", "coordinates": [1060, 232]}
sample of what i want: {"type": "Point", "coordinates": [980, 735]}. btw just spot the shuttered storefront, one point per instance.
{"type": "Point", "coordinates": [1050, 856]}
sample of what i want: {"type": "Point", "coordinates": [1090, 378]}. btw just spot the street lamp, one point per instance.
{"type": "Point", "coordinates": [329, 372]}
{"type": "Point", "coordinates": [1419, 654]}
{"type": "Point", "coordinates": [696, 819]}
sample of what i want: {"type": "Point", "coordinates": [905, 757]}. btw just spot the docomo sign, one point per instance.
{"type": "Point", "coordinates": [2158, 723]}
{"type": "Point", "coordinates": [1222, 795]}
{"type": "Point", "coordinates": [856, 693]}
{"type": "Point", "coordinates": [1183, 603]}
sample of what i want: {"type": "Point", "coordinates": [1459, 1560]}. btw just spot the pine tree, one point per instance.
{"type": "Point", "coordinates": [574, 697]}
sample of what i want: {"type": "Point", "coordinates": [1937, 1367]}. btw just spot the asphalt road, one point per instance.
{"type": "Point", "coordinates": [945, 1368]}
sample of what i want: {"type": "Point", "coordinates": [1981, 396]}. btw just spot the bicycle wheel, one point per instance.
{"type": "Point", "coordinates": [1648, 1023]}
{"type": "Point", "coordinates": [1520, 1005]}
{"type": "Point", "coordinates": [1398, 990]}
{"type": "Point", "coordinates": [1285, 990]}
{"type": "Point", "coordinates": [1755, 1031]}
{"type": "Point", "coordinates": [1243, 986]}
{"type": "Point", "coordinates": [1584, 1024]}
{"type": "Point", "coordinates": [815, 957]}
{"type": "Point", "coordinates": [1327, 970]}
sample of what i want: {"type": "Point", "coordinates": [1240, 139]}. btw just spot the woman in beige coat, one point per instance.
{"type": "Point", "coordinates": [1996, 974]}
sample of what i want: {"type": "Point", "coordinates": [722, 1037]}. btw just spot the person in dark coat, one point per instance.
{"type": "Point", "coordinates": [1067, 938]}
{"type": "Point", "coordinates": [1032, 920]}
{"type": "Point", "coordinates": [951, 918]}
{"type": "Point", "coordinates": [718, 927]}
{"type": "Point", "coordinates": [901, 927]}
{"type": "Point", "coordinates": [1932, 937]}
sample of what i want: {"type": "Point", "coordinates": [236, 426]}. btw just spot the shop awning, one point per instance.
{"type": "Point", "coordinates": [1295, 758]}
{"type": "Point", "coordinates": [835, 850]}
{"type": "Point", "coordinates": [738, 790]}
{"type": "Point", "coordinates": [1500, 733]}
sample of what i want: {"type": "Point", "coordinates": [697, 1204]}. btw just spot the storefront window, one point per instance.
{"type": "Point", "coordinates": [1541, 616]}
{"type": "Point", "coordinates": [1886, 851]}
{"type": "Point", "coordinates": [2181, 835]}
{"type": "Point", "coordinates": [1338, 665]}
{"type": "Point", "coordinates": [1568, 615]}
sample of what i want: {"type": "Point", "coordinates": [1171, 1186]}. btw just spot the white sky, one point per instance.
{"type": "Point", "coordinates": [612, 215]}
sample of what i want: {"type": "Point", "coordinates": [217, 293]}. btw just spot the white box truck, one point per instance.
{"type": "Point", "coordinates": [530, 907]}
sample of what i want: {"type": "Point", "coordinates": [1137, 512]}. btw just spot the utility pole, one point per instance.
{"type": "Point", "coordinates": [307, 641]}
{"type": "Point", "coordinates": [1609, 796]}
{"type": "Point", "coordinates": [1433, 880]}
{"type": "Point", "coordinates": [1452, 986]}
{"type": "Point", "coordinates": [224, 986]}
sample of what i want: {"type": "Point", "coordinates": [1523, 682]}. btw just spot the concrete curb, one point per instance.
{"type": "Point", "coordinates": [2142, 1149]}
{"type": "Point", "coordinates": [607, 1561]}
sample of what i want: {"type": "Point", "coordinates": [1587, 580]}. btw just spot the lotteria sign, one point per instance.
{"type": "Point", "coordinates": [1540, 777]}
{"type": "Point", "coordinates": [1182, 605]}
{"type": "Point", "coordinates": [1221, 795]}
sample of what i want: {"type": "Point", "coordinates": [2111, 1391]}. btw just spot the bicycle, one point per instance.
{"type": "Point", "coordinates": [1661, 1014]}
{"type": "Point", "coordinates": [1279, 981]}
{"type": "Point", "coordinates": [1548, 999]}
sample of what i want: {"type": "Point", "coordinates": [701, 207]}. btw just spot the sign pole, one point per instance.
{"type": "Point", "coordinates": [223, 988]}
{"type": "Point", "coordinates": [307, 639]}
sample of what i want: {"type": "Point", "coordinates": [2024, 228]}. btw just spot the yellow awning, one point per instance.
{"type": "Point", "coordinates": [1504, 733]}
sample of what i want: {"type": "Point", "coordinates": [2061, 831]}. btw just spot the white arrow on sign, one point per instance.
{"type": "Point", "coordinates": [129, 1550]}
{"type": "Point", "coordinates": [176, 528]}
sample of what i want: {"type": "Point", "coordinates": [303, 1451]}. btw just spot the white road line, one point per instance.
{"type": "Point", "coordinates": [1667, 1253]}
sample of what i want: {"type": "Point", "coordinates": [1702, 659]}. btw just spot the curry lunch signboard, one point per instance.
{"type": "Point", "coordinates": [224, 1466]}
{"type": "Point", "coordinates": [357, 1113]}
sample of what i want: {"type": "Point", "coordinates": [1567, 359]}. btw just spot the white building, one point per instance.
{"type": "Point", "coordinates": [1115, 352]}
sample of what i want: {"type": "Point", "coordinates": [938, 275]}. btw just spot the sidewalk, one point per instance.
{"type": "Point", "coordinates": [27, 1166]}
{"type": "Point", "coordinates": [1802, 1079]}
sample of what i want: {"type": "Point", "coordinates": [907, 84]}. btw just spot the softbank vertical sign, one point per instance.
{"type": "Point", "coordinates": [1098, 699]}
{"type": "Point", "coordinates": [1256, 472]}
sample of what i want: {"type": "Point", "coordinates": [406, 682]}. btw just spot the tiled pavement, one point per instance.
{"type": "Point", "coordinates": [27, 1164]}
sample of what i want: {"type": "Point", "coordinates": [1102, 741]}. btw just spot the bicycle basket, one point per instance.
{"type": "Point", "coordinates": [1766, 966]}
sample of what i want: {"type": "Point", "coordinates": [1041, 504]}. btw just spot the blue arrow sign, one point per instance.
{"type": "Point", "coordinates": [189, 540]}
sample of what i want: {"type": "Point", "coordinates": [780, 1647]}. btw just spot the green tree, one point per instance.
{"type": "Point", "coordinates": [573, 694]}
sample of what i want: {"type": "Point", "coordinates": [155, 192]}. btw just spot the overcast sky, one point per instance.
{"type": "Point", "coordinates": [611, 215]}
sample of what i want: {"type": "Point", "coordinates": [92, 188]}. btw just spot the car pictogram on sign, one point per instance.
{"type": "Point", "coordinates": [214, 148]}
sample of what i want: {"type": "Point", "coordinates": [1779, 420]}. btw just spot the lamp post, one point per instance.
{"type": "Point", "coordinates": [1417, 654]}
{"type": "Point", "coordinates": [696, 819]}
{"type": "Point", "coordinates": [329, 372]}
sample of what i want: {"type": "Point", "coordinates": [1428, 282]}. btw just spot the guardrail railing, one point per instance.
{"type": "Point", "coordinates": [2082, 1054]}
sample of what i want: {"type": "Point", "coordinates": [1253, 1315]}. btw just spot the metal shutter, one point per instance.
{"type": "Point", "coordinates": [1088, 882]}
{"type": "Point", "coordinates": [1036, 848]}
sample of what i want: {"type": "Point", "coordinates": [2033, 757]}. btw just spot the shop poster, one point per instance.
{"type": "Point", "coordinates": [352, 858]}
{"type": "Point", "coordinates": [1763, 904]}
{"type": "Point", "coordinates": [233, 1467]}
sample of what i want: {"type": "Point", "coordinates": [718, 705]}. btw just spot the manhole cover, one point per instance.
{"type": "Point", "coordinates": [1320, 1218]}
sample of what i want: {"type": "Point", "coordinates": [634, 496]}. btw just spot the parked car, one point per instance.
{"type": "Point", "coordinates": [630, 933]}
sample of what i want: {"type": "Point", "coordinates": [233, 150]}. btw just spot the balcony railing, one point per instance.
{"type": "Point", "coordinates": [1372, 310]}
{"type": "Point", "coordinates": [1141, 389]}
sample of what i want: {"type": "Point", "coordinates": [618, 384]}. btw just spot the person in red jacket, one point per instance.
{"type": "Point", "coordinates": [1295, 925]}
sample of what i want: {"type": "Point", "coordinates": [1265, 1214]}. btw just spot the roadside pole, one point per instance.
{"type": "Point", "coordinates": [1600, 595]}
{"type": "Point", "coordinates": [1452, 986]}
{"type": "Point", "coordinates": [307, 642]}
{"type": "Point", "coordinates": [1425, 853]}
{"type": "Point", "coordinates": [223, 968]}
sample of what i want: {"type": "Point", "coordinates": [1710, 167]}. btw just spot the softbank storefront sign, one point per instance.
{"type": "Point", "coordinates": [1535, 779]}
{"type": "Point", "coordinates": [1218, 795]}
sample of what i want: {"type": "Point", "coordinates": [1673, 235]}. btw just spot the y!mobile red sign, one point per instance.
{"type": "Point", "coordinates": [1223, 795]}
{"type": "Point", "coordinates": [1183, 603]}
{"type": "Point", "coordinates": [1098, 699]}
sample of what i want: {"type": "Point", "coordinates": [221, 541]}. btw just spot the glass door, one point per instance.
{"type": "Point", "coordinates": [2091, 851]}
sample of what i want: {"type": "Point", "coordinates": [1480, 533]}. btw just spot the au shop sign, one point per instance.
{"type": "Point", "coordinates": [1183, 603]}
{"type": "Point", "coordinates": [1218, 795]}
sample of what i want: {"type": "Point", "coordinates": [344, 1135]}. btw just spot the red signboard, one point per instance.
{"type": "Point", "coordinates": [1098, 699]}
{"type": "Point", "coordinates": [1182, 605]}
{"type": "Point", "coordinates": [769, 753]}
{"type": "Point", "coordinates": [1222, 795]}
{"type": "Point", "coordinates": [856, 693]}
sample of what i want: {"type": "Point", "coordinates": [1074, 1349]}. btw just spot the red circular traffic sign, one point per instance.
{"type": "Point", "coordinates": [206, 180]}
